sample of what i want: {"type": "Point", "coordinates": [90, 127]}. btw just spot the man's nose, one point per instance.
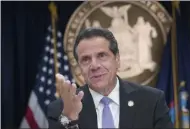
{"type": "Point", "coordinates": [94, 64]}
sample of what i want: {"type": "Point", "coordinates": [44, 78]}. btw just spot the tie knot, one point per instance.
{"type": "Point", "coordinates": [105, 100]}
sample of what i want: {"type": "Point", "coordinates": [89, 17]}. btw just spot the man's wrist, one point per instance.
{"type": "Point", "coordinates": [70, 117]}
{"type": "Point", "coordinates": [68, 121]}
{"type": "Point", "coordinates": [64, 120]}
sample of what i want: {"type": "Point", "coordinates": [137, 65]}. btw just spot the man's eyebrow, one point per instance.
{"type": "Point", "coordinates": [84, 55]}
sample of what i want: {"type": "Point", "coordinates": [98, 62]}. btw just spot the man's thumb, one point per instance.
{"type": "Point", "coordinates": [80, 95]}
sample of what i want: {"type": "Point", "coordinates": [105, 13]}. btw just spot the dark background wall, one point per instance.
{"type": "Point", "coordinates": [23, 30]}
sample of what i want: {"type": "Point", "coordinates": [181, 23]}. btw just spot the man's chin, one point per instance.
{"type": "Point", "coordinates": [98, 85]}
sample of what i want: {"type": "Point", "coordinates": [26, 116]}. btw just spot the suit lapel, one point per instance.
{"type": "Point", "coordinates": [127, 109]}
{"type": "Point", "coordinates": [88, 117]}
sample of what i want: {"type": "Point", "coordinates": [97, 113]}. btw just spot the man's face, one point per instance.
{"type": "Point", "coordinates": [98, 64]}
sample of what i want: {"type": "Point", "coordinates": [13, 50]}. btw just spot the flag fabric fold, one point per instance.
{"type": "Point", "coordinates": [165, 78]}
{"type": "Point", "coordinates": [44, 90]}
{"type": "Point", "coordinates": [183, 50]}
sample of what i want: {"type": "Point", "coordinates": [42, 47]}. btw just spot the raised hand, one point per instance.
{"type": "Point", "coordinates": [72, 101]}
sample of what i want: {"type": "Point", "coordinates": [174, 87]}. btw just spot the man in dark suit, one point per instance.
{"type": "Point", "coordinates": [106, 101]}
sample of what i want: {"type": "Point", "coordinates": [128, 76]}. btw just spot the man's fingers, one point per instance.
{"type": "Point", "coordinates": [74, 85]}
{"type": "Point", "coordinates": [77, 98]}
{"type": "Point", "coordinates": [73, 89]}
{"type": "Point", "coordinates": [59, 82]}
{"type": "Point", "coordinates": [80, 95]}
{"type": "Point", "coordinates": [67, 89]}
{"type": "Point", "coordinates": [59, 77]}
{"type": "Point", "coordinates": [67, 83]}
{"type": "Point", "coordinates": [62, 85]}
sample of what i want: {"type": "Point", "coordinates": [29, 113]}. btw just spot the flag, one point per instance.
{"type": "Point", "coordinates": [177, 94]}
{"type": "Point", "coordinates": [44, 90]}
{"type": "Point", "coordinates": [165, 80]}
{"type": "Point", "coordinates": [183, 58]}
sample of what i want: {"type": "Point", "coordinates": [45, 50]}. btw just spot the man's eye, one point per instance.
{"type": "Point", "coordinates": [85, 59]}
{"type": "Point", "coordinates": [102, 55]}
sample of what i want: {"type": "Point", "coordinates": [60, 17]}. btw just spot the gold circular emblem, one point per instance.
{"type": "Point", "coordinates": [140, 27]}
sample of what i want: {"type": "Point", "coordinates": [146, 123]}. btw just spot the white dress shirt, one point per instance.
{"type": "Point", "coordinates": [114, 106]}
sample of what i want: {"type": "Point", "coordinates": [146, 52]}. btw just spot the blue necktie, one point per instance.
{"type": "Point", "coordinates": [107, 118]}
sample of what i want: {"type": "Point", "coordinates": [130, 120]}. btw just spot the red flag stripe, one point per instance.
{"type": "Point", "coordinates": [30, 119]}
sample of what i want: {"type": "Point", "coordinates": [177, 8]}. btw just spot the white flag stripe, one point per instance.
{"type": "Point", "coordinates": [37, 112]}
{"type": "Point", "coordinates": [24, 124]}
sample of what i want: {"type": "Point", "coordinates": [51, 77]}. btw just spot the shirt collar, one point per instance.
{"type": "Point", "coordinates": [114, 95]}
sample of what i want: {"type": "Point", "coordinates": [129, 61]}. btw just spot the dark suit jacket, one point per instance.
{"type": "Point", "coordinates": [149, 110]}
